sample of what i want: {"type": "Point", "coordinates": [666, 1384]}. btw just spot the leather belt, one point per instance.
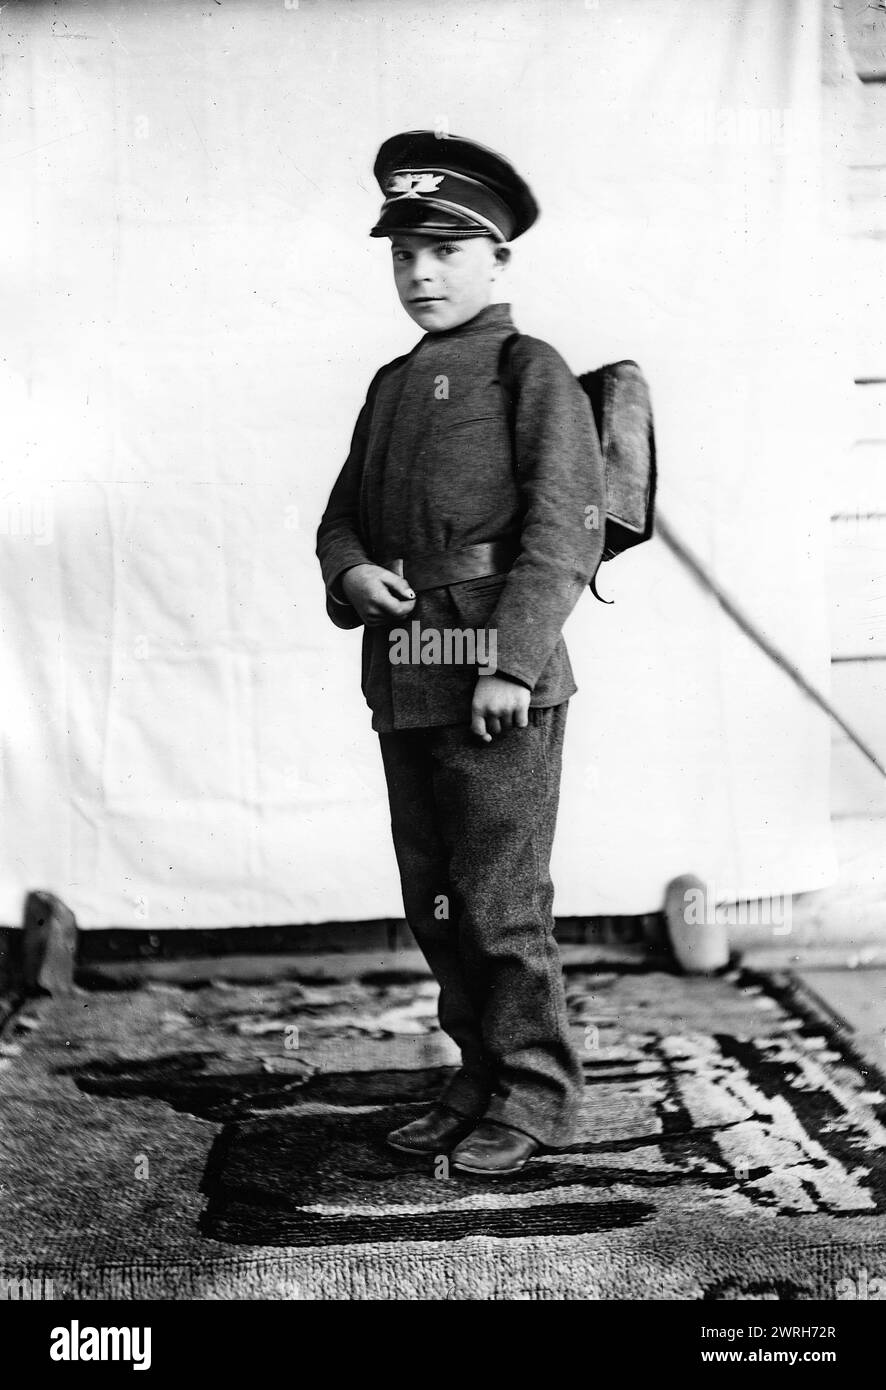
{"type": "Point", "coordinates": [453, 566]}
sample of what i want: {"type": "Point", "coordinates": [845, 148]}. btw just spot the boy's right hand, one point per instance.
{"type": "Point", "coordinates": [378, 594]}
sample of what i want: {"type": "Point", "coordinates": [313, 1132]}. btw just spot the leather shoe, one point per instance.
{"type": "Point", "coordinates": [494, 1150]}
{"type": "Point", "coordinates": [433, 1133]}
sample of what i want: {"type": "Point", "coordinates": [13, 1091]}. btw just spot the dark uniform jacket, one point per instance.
{"type": "Point", "coordinates": [441, 458]}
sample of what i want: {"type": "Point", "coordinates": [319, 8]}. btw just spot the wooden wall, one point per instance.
{"type": "Point", "coordinates": [859, 494]}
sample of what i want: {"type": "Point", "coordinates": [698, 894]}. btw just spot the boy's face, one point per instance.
{"type": "Point", "coordinates": [443, 283]}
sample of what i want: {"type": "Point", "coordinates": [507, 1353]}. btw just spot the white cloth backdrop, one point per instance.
{"type": "Point", "coordinates": [193, 312]}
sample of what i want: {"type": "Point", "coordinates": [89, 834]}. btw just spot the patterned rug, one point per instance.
{"type": "Point", "coordinates": [227, 1142]}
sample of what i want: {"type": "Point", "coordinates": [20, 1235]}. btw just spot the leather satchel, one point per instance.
{"type": "Point", "coordinates": [622, 410]}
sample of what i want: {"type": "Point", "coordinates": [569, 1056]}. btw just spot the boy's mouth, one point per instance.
{"type": "Point", "coordinates": [427, 299]}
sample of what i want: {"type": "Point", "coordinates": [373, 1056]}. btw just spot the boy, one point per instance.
{"type": "Point", "coordinates": [463, 506]}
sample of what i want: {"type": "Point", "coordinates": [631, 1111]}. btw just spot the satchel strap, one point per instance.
{"type": "Point", "coordinates": [507, 382]}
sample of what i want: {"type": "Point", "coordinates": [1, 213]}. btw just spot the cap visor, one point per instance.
{"type": "Point", "coordinates": [417, 220]}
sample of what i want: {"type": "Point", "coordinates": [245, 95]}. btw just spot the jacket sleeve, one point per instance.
{"type": "Point", "coordinates": [340, 544]}
{"type": "Point", "coordinates": [560, 474]}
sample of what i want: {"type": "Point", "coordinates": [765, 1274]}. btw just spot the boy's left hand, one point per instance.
{"type": "Point", "coordinates": [498, 704]}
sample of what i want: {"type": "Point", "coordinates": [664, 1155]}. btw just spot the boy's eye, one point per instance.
{"type": "Point", "coordinates": [400, 254]}
{"type": "Point", "coordinates": [446, 248]}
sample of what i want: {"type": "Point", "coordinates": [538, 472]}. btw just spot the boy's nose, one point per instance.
{"type": "Point", "coordinates": [421, 269]}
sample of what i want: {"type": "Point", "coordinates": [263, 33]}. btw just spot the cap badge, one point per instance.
{"type": "Point", "coordinates": [412, 185]}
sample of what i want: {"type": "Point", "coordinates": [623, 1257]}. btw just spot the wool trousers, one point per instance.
{"type": "Point", "coordinates": [473, 826]}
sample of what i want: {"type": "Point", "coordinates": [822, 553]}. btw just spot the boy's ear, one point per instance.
{"type": "Point", "coordinates": [502, 256]}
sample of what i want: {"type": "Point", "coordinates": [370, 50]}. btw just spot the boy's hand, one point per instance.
{"type": "Point", "coordinates": [498, 704]}
{"type": "Point", "coordinates": [378, 594]}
